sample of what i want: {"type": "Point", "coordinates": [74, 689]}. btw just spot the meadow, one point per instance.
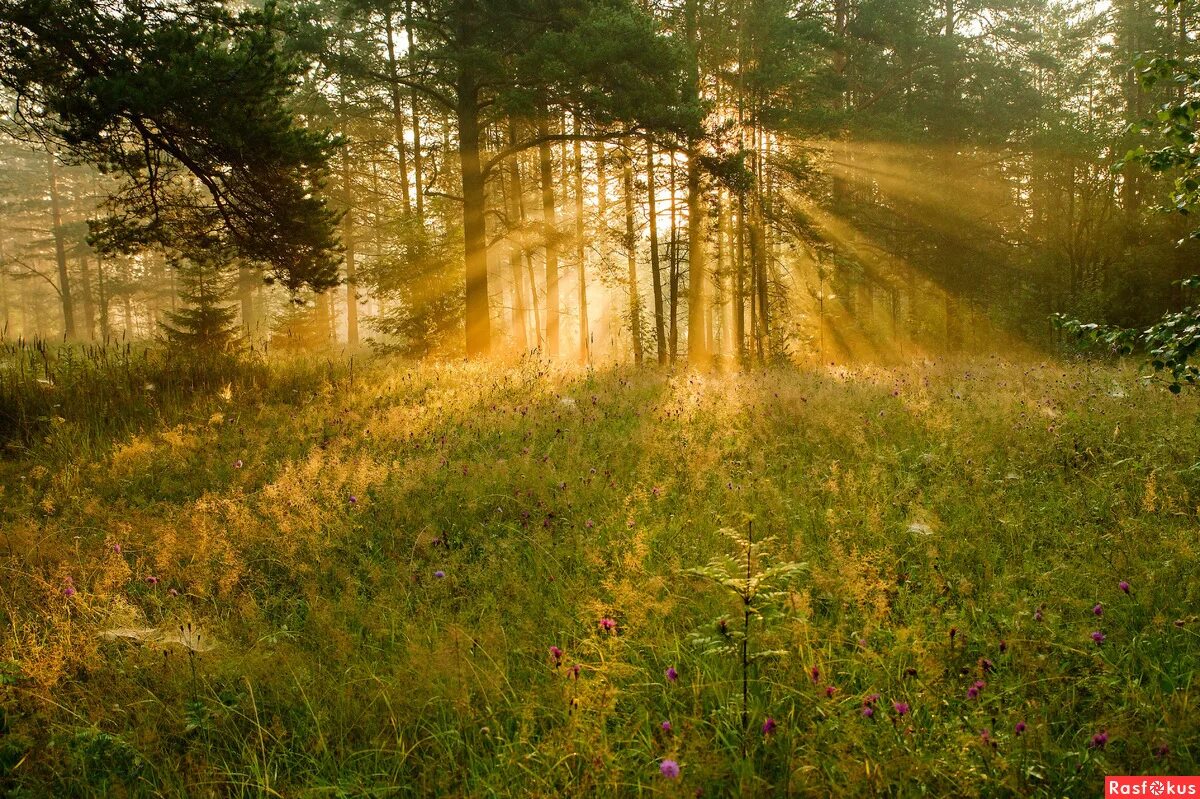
{"type": "Point", "coordinates": [967, 577]}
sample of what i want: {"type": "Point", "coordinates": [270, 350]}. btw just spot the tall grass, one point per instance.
{"type": "Point", "coordinates": [403, 581]}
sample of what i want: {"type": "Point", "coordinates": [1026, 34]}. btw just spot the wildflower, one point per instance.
{"type": "Point", "coordinates": [1003, 646]}
{"type": "Point", "coordinates": [901, 708]}
{"type": "Point", "coordinates": [872, 699]}
{"type": "Point", "coordinates": [590, 524]}
{"type": "Point", "coordinates": [986, 737]}
{"type": "Point", "coordinates": [173, 592]}
{"type": "Point", "coordinates": [117, 548]}
{"type": "Point", "coordinates": [439, 574]}
{"type": "Point", "coordinates": [1124, 586]}
{"type": "Point", "coordinates": [557, 654]}
{"type": "Point", "coordinates": [973, 691]}
{"type": "Point", "coordinates": [666, 726]}
{"type": "Point", "coordinates": [353, 500]}
{"type": "Point", "coordinates": [830, 691]}
{"type": "Point", "coordinates": [1037, 614]}
{"type": "Point", "coordinates": [69, 591]}
{"type": "Point", "coordinates": [768, 726]}
{"type": "Point", "coordinates": [152, 580]}
{"type": "Point", "coordinates": [1098, 637]}
{"type": "Point", "coordinates": [815, 673]}
{"type": "Point", "coordinates": [238, 463]}
{"type": "Point", "coordinates": [986, 665]}
{"type": "Point", "coordinates": [868, 711]}
{"type": "Point", "coordinates": [657, 491]}
{"type": "Point", "coordinates": [1020, 728]}
{"type": "Point", "coordinates": [1099, 740]}
{"type": "Point", "coordinates": [608, 625]}
{"type": "Point", "coordinates": [669, 769]}
{"type": "Point", "coordinates": [575, 671]}
{"type": "Point", "coordinates": [672, 675]}
{"type": "Point", "coordinates": [1098, 610]}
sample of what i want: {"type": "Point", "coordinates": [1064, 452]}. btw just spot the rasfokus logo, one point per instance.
{"type": "Point", "coordinates": [1151, 786]}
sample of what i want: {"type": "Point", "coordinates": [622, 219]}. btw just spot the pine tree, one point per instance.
{"type": "Point", "coordinates": [206, 325]}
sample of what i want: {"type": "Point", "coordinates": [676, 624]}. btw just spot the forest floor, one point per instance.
{"type": "Point", "coordinates": [475, 581]}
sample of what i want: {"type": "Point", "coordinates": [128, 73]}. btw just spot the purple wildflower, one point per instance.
{"type": "Point", "coordinates": [768, 726]}
{"type": "Point", "coordinates": [672, 675]}
{"type": "Point", "coordinates": [868, 711]}
{"type": "Point", "coordinates": [1020, 728]}
{"type": "Point", "coordinates": [557, 654]}
{"type": "Point", "coordinates": [1099, 740]}
{"type": "Point", "coordinates": [439, 574]}
{"type": "Point", "coordinates": [608, 625]}
{"type": "Point", "coordinates": [666, 726]}
{"type": "Point", "coordinates": [901, 708]}
{"type": "Point", "coordinates": [669, 769]}
{"type": "Point", "coordinates": [1098, 637]}
{"type": "Point", "coordinates": [1098, 609]}
{"type": "Point", "coordinates": [1124, 586]}
{"type": "Point", "coordinates": [69, 591]}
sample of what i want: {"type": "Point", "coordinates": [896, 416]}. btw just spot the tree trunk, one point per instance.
{"type": "Point", "coordinates": [697, 275]}
{"type": "Point", "coordinates": [102, 300]}
{"type": "Point", "coordinates": [418, 157]}
{"type": "Point", "coordinates": [550, 232]}
{"type": "Point", "coordinates": [580, 252]}
{"type": "Point", "coordinates": [635, 304]}
{"type": "Point", "coordinates": [348, 244]}
{"type": "Point", "coordinates": [478, 319]}
{"type": "Point", "coordinates": [660, 333]}
{"type": "Point", "coordinates": [397, 109]}
{"type": "Point", "coordinates": [673, 268]}
{"type": "Point", "coordinates": [60, 254]}
{"type": "Point", "coordinates": [516, 213]}
{"type": "Point", "coordinates": [89, 310]}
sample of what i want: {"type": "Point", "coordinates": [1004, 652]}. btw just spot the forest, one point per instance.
{"type": "Point", "coordinates": [598, 397]}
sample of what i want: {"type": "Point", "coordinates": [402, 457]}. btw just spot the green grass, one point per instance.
{"type": "Point", "coordinates": [950, 496]}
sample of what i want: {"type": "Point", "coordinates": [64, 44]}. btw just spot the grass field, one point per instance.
{"type": "Point", "coordinates": [405, 580]}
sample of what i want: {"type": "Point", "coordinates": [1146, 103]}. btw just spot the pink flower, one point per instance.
{"type": "Point", "coordinates": [672, 675]}
{"type": "Point", "coordinates": [830, 691]}
{"type": "Point", "coordinates": [901, 708]}
{"type": "Point", "coordinates": [1020, 728]}
{"type": "Point", "coordinates": [1098, 610]}
{"type": "Point", "coordinates": [1099, 740]}
{"type": "Point", "coordinates": [152, 580]}
{"type": "Point", "coordinates": [768, 726]}
{"type": "Point", "coordinates": [557, 654]}
{"type": "Point", "coordinates": [815, 674]}
{"type": "Point", "coordinates": [608, 625]}
{"type": "Point", "coordinates": [1124, 586]}
{"type": "Point", "coordinates": [669, 769]}
{"type": "Point", "coordinates": [666, 726]}
{"type": "Point", "coordinates": [1098, 637]}
{"type": "Point", "coordinates": [69, 591]}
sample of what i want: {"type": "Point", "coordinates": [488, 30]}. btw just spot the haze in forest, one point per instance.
{"type": "Point", "coordinates": [617, 181]}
